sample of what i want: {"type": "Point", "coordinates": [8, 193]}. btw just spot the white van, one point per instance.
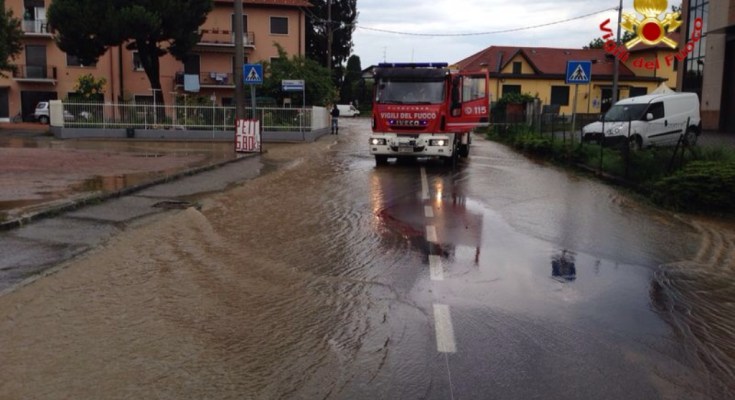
{"type": "Point", "coordinates": [347, 110]}
{"type": "Point", "coordinates": [654, 120]}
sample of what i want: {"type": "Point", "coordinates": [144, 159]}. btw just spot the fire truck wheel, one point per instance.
{"type": "Point", "coordinates": [381, 160]}
{"type": "Point", "coordinates": [464, 150]}
{"type": "Point", "coordinates": [452, 161]}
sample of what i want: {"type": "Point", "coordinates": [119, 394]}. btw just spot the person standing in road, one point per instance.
{"type": "Point", "coordinates": [335, 119]}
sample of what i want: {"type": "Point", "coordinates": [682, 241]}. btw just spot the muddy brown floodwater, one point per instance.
{"type": "Point", "coordinates": [209, 304]}
{"type": "Point", "coordinates": [311, 282]}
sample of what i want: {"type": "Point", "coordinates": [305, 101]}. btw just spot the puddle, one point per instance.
{"type": "Point", "coordinates": [39, 172]}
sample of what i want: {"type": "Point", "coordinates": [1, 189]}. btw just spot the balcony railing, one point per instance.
{"type": "Point", "coordinates": [217, 37]}
{"type": "Point", "coordinates": [36, 27]}
{"type": "Point", "coordinates": [208, 79]}
{"type": "Point", "coordinates": [35, 73]}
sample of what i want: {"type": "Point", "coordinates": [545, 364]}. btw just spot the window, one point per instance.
{"type": "Point", "coordinates": [73, 61]}
{"type": "Point", "coordinates": [137, 64]}
{"type": "Point", "coordinates": [191, 65]}
{"type": "Point", "coordinates": [694, 63]}
{"type": "Point", "coordinates": [657, 109]}
{"type": "Point", "coordinates": [508, 89]}
{"type": "Point", "coordinates": [279, 26]}
{"type": "Point", "coordinates": [473, 88]}
{"type": "Point", "coordinates": [638, 91]}
{"type": "Point", "coordinates": [517, 66]}
{"type": "Point", "coordinates": [560, 95]}
{"type": "Point", "coordinates": [36, 62]}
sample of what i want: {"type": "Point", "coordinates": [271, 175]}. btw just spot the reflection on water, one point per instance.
{"type": "Point", "coordinates": [562, 266]}
{"type": "Point", "coordinates": [43, 171]}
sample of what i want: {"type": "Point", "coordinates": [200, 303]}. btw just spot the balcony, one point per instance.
{"type": "Point", "coordinates": [209, 80]}
{"type": "Point", "coordinates": [35, 74]}
{"type": "Point", "coordinates": [213, 39]}
{"type": "Point", "coordinates": [38, 27]}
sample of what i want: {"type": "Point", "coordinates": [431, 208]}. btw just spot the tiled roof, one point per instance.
{"type": "Point", "coordinates": [287, 3]}
{"type": "Point", "coordinates": [544, 60]}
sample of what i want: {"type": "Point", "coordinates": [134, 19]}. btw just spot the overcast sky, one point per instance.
{"type": "Point", "coordinates": [471, 16]}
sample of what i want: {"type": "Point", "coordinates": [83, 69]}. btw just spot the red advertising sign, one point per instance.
{"type": "Point", "coordinates": [247, 136]}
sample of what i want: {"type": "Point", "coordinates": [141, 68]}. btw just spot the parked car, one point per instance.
{"type": "Point", "coordinates": [654, 120]}
{"type": "Point", "coordinates": [347, 110]}
{"type": "Point", "coordinates": [43, 115]}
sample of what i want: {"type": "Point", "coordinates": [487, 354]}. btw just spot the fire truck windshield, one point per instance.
{"type": "Point", "coordinates": [410, 92]}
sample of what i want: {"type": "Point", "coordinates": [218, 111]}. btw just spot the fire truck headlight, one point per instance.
{"type": "Point", "coordinates": [437, 142]}
{"type": "Point", "coordinates": [377, 142]}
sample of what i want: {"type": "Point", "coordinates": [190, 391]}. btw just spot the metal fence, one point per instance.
{"type": "Point", "coordinates": [181, 117]}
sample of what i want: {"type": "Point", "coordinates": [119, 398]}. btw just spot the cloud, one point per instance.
{"type": "Point", "coordinates": [470, 16]}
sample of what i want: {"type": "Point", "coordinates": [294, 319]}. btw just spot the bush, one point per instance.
{"type": "Point", "coordinates": [705, 186]}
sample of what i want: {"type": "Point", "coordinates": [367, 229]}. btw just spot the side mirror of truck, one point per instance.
{"type": "Point", "coordinates": [456, 81]}
{"type": "Point", "coordinates": [649, 117]}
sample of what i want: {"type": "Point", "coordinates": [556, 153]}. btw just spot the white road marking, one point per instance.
{"type": "Point", "coordinates": [445, 342]}
{"type": "Point", "coordinates": [424, 185]}
{"type": "Point", "coordinates": [436, 268]}
{"type": "Point", "coordinates": [429, 211]}
{"type": "Point", "coordinates": [431, 234]}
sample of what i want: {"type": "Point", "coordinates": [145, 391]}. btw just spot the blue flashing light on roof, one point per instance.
{"type": "Point", "coordinates": [413, 65]}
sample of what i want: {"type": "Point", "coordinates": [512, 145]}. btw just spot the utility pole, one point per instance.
{"type": "Point", "coordinates": [239, 61]}
{"type": "Point", "coordinates": [329, 37]}
{"type": "Point", "coordinates": [616, 62]}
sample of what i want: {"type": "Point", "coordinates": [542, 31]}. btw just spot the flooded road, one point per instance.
{"type": "Point", "coordinates": [328, 278]}
{"type": "Point", "coordinates": [40, 172]}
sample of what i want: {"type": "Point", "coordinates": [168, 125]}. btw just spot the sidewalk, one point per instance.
{"type": "Point", "coordinates": [40, 175]}
{"type": "Point", "coordinates": [717, 139]}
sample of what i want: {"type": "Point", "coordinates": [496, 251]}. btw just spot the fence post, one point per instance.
{"type": "Point", "coordinates": [602, 138]}
{"type": "Point", "coordinates": [627, 147]}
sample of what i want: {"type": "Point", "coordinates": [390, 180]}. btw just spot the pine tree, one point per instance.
{"type": "Point", "coordinates": [88, 28]}
{"type": "Point", "coordinates": [11, 35]}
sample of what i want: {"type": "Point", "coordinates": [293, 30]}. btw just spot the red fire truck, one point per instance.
{"type": "Point", "coordinates": [426, 110]}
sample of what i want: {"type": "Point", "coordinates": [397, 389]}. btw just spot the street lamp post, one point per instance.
{"type": "Point", "coordinates": [616, 62]}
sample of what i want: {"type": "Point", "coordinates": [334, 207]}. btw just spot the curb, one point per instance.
{"type": "Point", "coordinates": [98, 198]}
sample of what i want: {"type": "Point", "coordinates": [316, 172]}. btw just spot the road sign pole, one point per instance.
{"type": "Point", "coordinates": [574, 109]}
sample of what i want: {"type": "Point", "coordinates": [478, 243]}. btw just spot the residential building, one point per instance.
{"type": "Point", "coordinates": [708, 68]}
{"type": "Point", "coordinates": [45, 72]}
{"type": "Point", "coordinates": [541, 72]}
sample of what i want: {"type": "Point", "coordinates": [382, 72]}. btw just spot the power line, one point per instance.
{"type": "Point", "coordinates": [483, 33]}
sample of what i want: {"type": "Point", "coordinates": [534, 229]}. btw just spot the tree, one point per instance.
{"type": "Point", "coordinates": [88, 28]}
{"type": "Point", "coordinates": [597, 43]}
{"type": "Point", "coordinates": [90, 88]}
{"type": "Point", "coordinates": [11, 35]}
{"type": "Point", "coordinates": [319, 88]}
{"type": "Point", "coordinates": [344, 13]}
{"type": "Point", "coordinates": [350, 85]}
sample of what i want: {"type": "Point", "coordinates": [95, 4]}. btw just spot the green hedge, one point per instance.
{"type": "Point", "coordinates": [704, 186]}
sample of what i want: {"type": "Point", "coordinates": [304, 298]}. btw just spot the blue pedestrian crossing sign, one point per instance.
{"type": "Point", "coordinates": [578, 72]}
{"type": "Point", "coordinates": [252, 74]}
